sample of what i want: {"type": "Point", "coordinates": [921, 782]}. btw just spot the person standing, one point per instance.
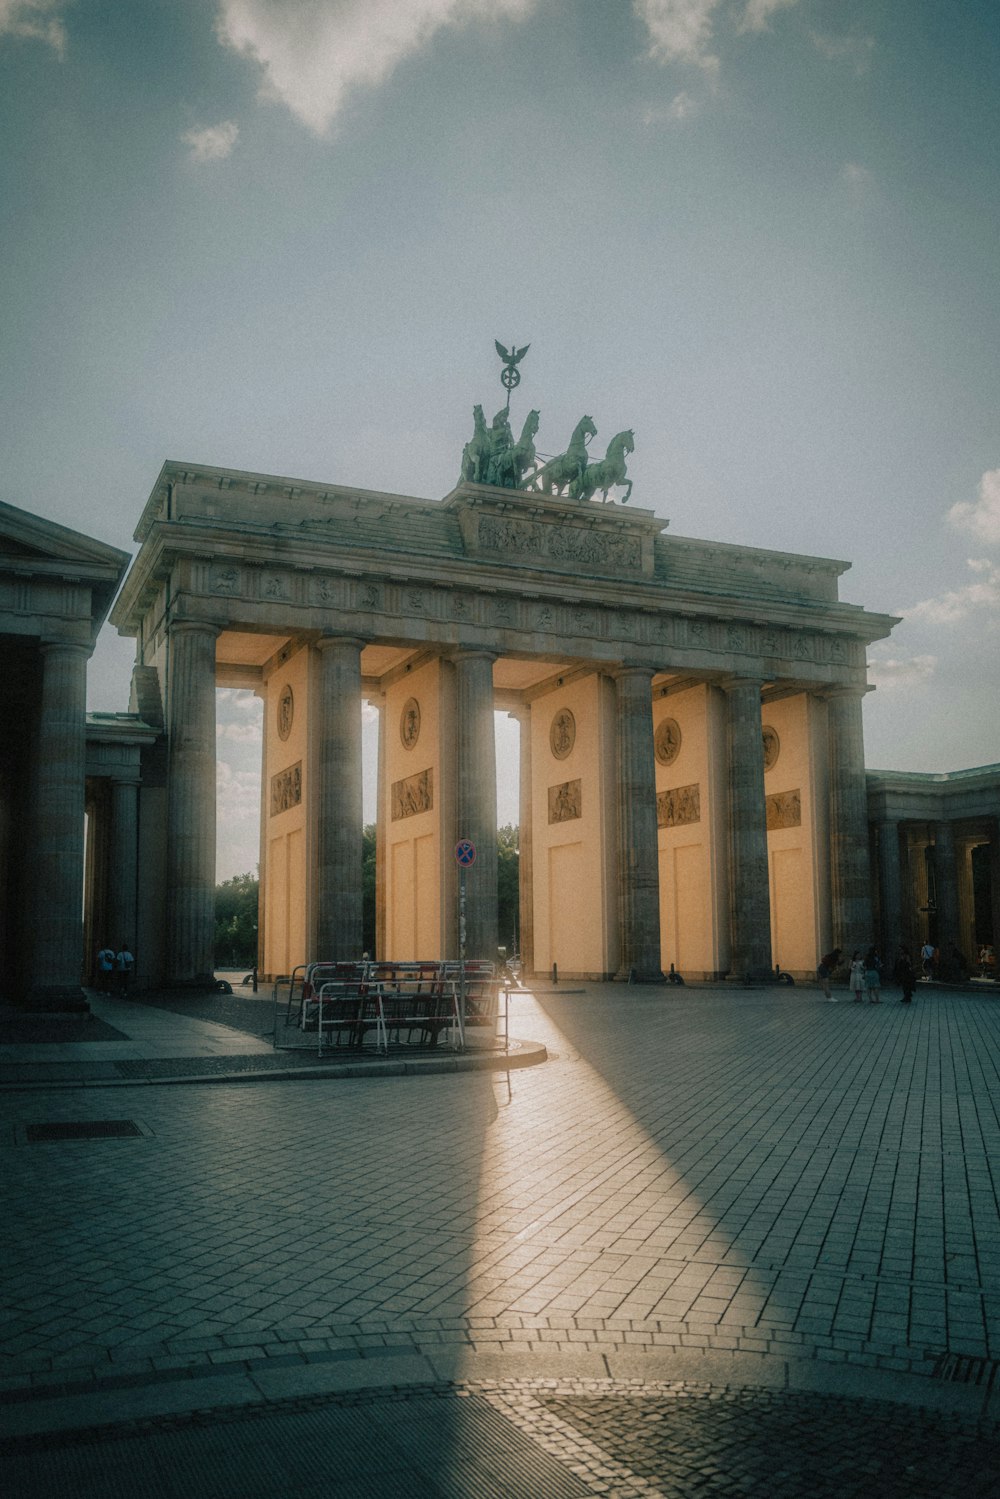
{"type": "Point", "coordinates": [105, 968]}
{"type": "Point", "coordinates": [907, 977]}
{"type": "Point", "coordinates": [124, 964]}
{"type": "Point", "coordinates": [927, 959]}
{"type": "Point", "coordinates": [857, 976]}
{"type": "Point", "coordinates": [873, 978]}
{"type": "Point", "coordinates": [827, 966]}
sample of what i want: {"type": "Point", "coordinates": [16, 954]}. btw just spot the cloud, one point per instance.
{"type": "Point", "coordinates": [855, 50]}
{"type": "Point", "coordinates": [679, 30]}
{"type": "Point", "coordinates": [957, 604]}
{"type": "Point", "coordinates": [681, 107]}
{"type": "Point", "coordinates": [981, 518]}
{"type": "Point", "coordinates": [237, 794]}
{"type": "Point", "coordinates": [39, 20]}
{"type": "Point", "coordinates": [855, 175]}
{"type": "Point", "coordinates": [214, 143]}
{"type": "Point", "coordinates": [894, 672]}
{"type": "Point", "coordinates": [759, 12]}
{"type": "Point", "coordinates": [313, 53]}
{"type": "Point", "coordinates": [240, 733]}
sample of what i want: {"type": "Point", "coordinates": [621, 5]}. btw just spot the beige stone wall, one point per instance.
{"type": "Point", "coordinates": [573, 832]}
{"type": "Point", "coordinates": [286, 844]}
{"type": "Point", "coordinates": [694, 907]}
{"type": "Point", "coordinates": [418, 815]}
{"type": "Point", "coordinates": [797, 840]}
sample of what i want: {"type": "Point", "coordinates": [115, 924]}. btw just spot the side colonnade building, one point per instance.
{"type": "Point", "coordinates": [692, 778]}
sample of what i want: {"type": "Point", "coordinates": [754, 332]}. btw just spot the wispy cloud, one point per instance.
{"type": "Point", "coordinates": [313, 54]}
{"type": "Point", "coordinates": [758, 13]}
{"type": "Point", "coordinates": [237, 793]}
{"type": "Point", "coordinates": [981, 517]}
{"type": "Point", "coordinates": [240, 733]}
{"type": "Point", "coordinates": [981, 596]}
{"type": "Point", "coordinates": [681, 107]}
{"type": "Point", "coordinates": [213, 143]}
{"type": "Point", "coordinates": [856, 51]}
{"type": "Point", "coordinates": [680, 30]}
{"type": "Point", "coordinates": [39, 20]}
{"type": "Point", "coordinates": [893, 672]}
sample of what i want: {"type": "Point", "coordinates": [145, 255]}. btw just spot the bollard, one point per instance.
{"type": "Point", "coordinates": [555, 973]}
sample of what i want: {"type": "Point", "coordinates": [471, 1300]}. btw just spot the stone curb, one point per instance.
{"type": "Point", "coordinates": [527, 1054]}
{"type": "Point", "coordinates": [265, 1382]}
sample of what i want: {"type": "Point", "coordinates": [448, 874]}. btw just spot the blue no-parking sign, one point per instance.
{"type": "Point", "coordinates": [465, 853]}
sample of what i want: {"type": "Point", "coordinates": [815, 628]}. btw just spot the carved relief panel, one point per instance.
{"type": "Point", "coordinates": [565, 801]}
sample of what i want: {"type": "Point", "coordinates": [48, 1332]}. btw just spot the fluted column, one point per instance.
{"type": "Point", "coordinates": [191, 802]}
{"type": "Point", "coordinates": [525, 868]}
{"type": "Point", "coordinates": [638, 854]}
{"type": "Point", "coordinates": [750, 896]}
{"type": "Point", "coordinates": [338, 802]}
{"type": "Point", "coordinates": [381, 832]}
{"type": "Point", "coordinates": [124, 863]}
{"type": "Point", "coordinates": [476, 797]}
{"type": "Point", "coordinates": [850, 877]}
{"type": "Point", "coordinates": [946, 890]}
{"type": "Point", "coordinates": [55, 934]}
{"type": "Point", "coordinates": [890, 888]}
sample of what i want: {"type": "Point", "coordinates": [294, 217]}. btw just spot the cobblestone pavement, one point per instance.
{"type": "Point", "coordinates": [525, 1439]}
{"type": "Point", "coordinates": [747, 1173]}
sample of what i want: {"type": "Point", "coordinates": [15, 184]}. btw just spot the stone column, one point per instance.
{"type": "Point", "coordinates": [994, 827]}
{"type": "Point", "coordinates": [337, 801]}
{"type": "Point", "coordinates": [525, 868]}
{"type": "Point", "coordinates": [850, 875]}
{"type": "Point", "coordinates": [890, 885]}
{"type": "Point", "coordinates": [55, 935]}
{"type": "Point", "coordinates": [749, 876]}
{"type": "Point", "coordinates": [381, 833]}
{"type": "Point", "coordinates": [191, 803]}
{"type": "Point", "coordinates": [946, 889]}
{"type": "Point", "coordinates": [638, 853]}
{"type": "Point", "coordinates": [476, 797]}
{"type": "Point", "coordinates": [124, 864]}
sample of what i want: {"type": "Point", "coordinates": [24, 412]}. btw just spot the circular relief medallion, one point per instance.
{"type": "Point", "coordinates": [286, 712]}
{"type": "Point", "coordinates": [409, 723]}
{"type": "Point", "coordinates": [562, 734]}
{"type": "Point", "coordinates": [667, 741]}
{"type": "Point", "coordinates": [772, 746]}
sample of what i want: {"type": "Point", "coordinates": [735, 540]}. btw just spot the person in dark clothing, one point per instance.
{"type": "Point", "coordinates": [827, 966]}
{"type": "Point", "coordinates": [907, 978]}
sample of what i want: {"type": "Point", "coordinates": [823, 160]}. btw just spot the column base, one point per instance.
{"type": "Point", "coordinates": [56, 999]}
{"type": "Point", "coordinates": [639, 976]}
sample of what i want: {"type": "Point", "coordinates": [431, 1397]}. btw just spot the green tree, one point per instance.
{"type": "Point", "coordinates": [368, 890]}
{"type": "Point", "coordinates": [508, 860]}
{"type": "Point", "coordinates": [236, 922]}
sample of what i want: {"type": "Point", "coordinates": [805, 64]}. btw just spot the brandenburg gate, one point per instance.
{"type": "Point", "coordinates": [692, 778]}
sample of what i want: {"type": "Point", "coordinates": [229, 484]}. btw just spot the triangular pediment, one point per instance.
{"type": "Point", "coordinates": [27, 539]}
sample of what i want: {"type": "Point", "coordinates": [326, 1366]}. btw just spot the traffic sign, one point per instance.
{"type": "Point", "coordinates": [465, 853]}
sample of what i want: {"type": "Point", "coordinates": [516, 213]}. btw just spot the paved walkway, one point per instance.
{"type": "Point", "coordinates": [710, 1211]}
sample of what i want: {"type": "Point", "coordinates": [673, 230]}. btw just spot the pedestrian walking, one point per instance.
{"type": "Point", "coordinates": [907, 977]}
{"type": "Point", "coordinates": [827, 966]}
{"type": "Point", "coordinates": [857, 976]}
{"type": "Point", "coordinates": [124, 964]}
{"type": "Point", "coordinates": [105, 968]}
{"type": "Point", "coordinates": [873, 977]}
{"type": "Point", "coordinates": [927, 960]}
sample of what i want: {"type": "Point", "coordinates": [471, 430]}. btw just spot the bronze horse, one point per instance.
{"type": "Point", "coordinates": [610, 469]}
{"type": "Point", "coordinates": [567, 470]}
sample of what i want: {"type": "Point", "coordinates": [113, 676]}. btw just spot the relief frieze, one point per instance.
{"type": "Point", "coordinates": [224, 581]}
{"type": "Point", "coordinates": [784, 810]}
{"type": "Point", "coordinates": [286, 789]}
{"type": "Point", "coordinates": [558, 543]}
{"type": "Point", "coordinates": [413, 795]}
{"type": "Point", "coordinates": [678, 806]}
{"type": "Point", "coordinates": [565, 801]}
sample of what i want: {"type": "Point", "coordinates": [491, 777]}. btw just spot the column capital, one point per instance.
{"type": "Point", "coordinates": [730, 684]}
{"type": "Point", "coordinates": [74, 647]}
{"type": "Point", "coordinates": [472, 653]}
{"type": "Point", "coordinates": [191, 626]}
{"type": "Point", "coordinates": [831, 694]}
{"type": "Point", "coordinates": [328, 638]}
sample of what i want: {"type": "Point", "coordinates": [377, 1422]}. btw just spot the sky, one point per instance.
{"type": "Point", "coordinates": [282, 235]}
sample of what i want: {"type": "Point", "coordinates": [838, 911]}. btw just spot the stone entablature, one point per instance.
{"type": "Point", "coordinates": [234, 572]}
{"type": "Point", "coordinates": [916, 796]}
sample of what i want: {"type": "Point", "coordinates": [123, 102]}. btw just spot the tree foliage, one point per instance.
{"type": "Point", "coordinates": [508, 860]}
{"type": "Point", "coordinates": [236, 922]}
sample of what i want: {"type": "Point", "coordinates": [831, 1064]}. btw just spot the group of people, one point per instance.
{"type": "Point", "coordinates": [865, 974]}
{"type": "Point", "coordinates": [114, 969]}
